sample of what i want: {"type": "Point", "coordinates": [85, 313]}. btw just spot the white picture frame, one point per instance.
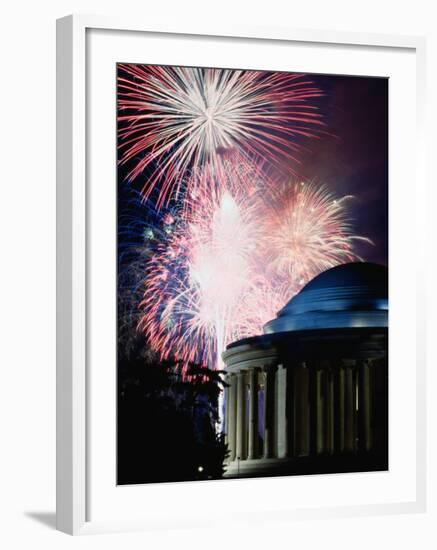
{"type": "Point", "coordinates": [73, 376]}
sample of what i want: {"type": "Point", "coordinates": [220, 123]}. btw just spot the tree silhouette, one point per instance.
{"type": "Point", "coordinates": [166, 421]}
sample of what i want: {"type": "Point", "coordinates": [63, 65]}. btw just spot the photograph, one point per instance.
{"type": "Point", "coordinates": [252, 273]}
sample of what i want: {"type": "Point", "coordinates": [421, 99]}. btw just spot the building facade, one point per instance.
{"type": "Point", "coordinates": [310, 395]}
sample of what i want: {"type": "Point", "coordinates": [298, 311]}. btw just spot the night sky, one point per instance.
{"type": "Point", "coordinates": [350, 157]}
{"type": "Point", "coordinates": [354, 158]}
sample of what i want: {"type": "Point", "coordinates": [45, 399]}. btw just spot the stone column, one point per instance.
{"type": "Point", "coordinates": [365, 437]}
{"type": "Point", "coordinates": [340, 408]}
{"type": "Point", "coordinates": [269, 411]}
{"type": "Point", "coordinates": [297, 371]}
{"type": "Point", "coordinates": [313, 402]}
{"type": "Point", "coordinates": [350, 410]}
{"type": "Point", "coordinates": [225, 427]}
{"type": "Point", "coordinates": [335, 409]}
{"type": "Point", "coordinates": [320, 411]}
{"type": "Point", "coordinates": [253, 413]}
{"type": "Point", "coordinates": [291, 399]}
{"type": "Point", "coordinates": [302, 412]}
{"type": "Point", "coordinates": [282, 413]}
{"type": "Point", "coordinates": [330, 411]}
{"type": "Point", "coordinates": [241, 416]}
{"type": "Point", "coordinates": [232, 416]}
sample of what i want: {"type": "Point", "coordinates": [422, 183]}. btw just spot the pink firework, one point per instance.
{"type": "Point", "coordinates": [309, 231]}
{"type": "Point", "coordinates": [195, 282]}
{"type": "Point", "coordinates": [192, 302]}
{"type": "Point", "coordinates": [174, 119]}
{"type": "Point", "coordinates": [235, 259]}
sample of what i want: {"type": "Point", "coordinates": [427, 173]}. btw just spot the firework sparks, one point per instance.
{"type": "Point", "coordinates": [234, 260]}
{"type": "Point", "coordinates": [148, 234]}
{"type": "Point", "coordinates": [174, 119]}
{"type": "Point", "coordinates": [195, 280]}
{"type": "Point", "coordinates": [309, 232]}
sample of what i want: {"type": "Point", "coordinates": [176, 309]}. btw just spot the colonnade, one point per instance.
{"type": "Point", "coordinates": [310, 409]}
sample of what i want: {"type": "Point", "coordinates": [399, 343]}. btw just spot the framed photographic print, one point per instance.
{"type": "Point", "coordinates": [236, 319]}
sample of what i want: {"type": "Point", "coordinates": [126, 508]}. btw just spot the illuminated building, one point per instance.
{"type": "Point", "coordinates": [310, 395]}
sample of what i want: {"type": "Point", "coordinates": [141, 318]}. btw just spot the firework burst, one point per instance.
{"type": "Point", "coordinates": [194, 284]}
{"type": "Point", "coordinates": [174, 119]}
{"type": "Point", "coordinates": [234, 259]}
{"type": "Point", "coordinates": [309, 231]}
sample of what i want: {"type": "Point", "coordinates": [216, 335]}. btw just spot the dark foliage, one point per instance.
{"type": "Point", "coordinates": [166, 422]}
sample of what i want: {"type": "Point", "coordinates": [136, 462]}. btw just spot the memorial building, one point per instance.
{"type": "Point", "coordinates": [310, 395]}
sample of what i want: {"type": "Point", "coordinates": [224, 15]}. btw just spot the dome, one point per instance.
{"type": "Point", "coordinates": [345, 296]}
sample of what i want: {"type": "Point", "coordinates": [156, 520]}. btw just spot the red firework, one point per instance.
{"type": "Point", "coordinates": [174, 119]}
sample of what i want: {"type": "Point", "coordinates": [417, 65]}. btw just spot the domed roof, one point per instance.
{"type": "Point", "coordinates": [348, 295]}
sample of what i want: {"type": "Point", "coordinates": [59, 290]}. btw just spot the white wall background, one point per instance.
{"type": "Point", "coordinates": [27, 290]}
